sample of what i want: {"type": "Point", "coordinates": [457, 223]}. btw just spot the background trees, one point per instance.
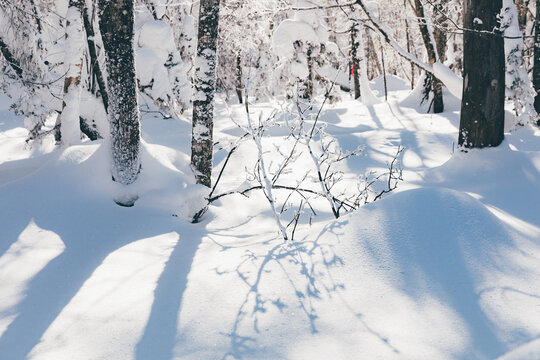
{"type": "Point", "coordinates": [295, 49]}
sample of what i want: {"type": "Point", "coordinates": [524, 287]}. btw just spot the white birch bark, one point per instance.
{"type": "Point", "coordinates": [74, 48]}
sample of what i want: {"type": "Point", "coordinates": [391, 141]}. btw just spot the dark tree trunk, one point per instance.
{"type": "Point", "coordinates": [439, 31]}
{"type": "Point", "coordinates": [239, 77]}
{"type": "Point", "coordinates": [116, 25]}
{"type": "Point", "coordinates": [384, 74]}
{"type": "Point", "coordinates": [482, 105]}
{"type": "Point", "coordinates": [536, 68]}
{"type": "Point", "coordinates": [36, 15]}
{"type": "Point", "coordinates": [94, 63]}
{"type": "Point", "coordinates": [8, 55]}
{"type": "Point", "coordinates": [436, 85]}
{"type": "Point", "coordinates": [205, 84]}
{"type": "Point", "coordinates": [308, 83]}
{"type": "Point", "coordinates": [523, 9]}
{"type": "Point", "coordinates": [354, 61]}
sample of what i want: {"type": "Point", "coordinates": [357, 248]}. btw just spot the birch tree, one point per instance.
{"type": "Point", "coordinates": [67, 126]}
{"type": "Point", "coordinates": [205, 84]}
{"type": "Point", "coordinates": [117, 32]}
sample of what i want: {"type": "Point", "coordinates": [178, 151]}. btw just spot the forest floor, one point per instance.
{"type": "Point", "coordinates": [447, 266]}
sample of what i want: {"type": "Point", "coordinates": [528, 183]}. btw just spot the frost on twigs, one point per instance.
{"type": "Point", "coordinates": [309, 166]}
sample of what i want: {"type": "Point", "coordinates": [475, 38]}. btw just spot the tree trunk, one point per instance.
{"type": "Point", "coordinates": [117, 31]}
{"type": "Point", "coordinates": [523, 9]}
{"type": "Point", "coordinates": [10, 59]}
{"type": "Point", "coordinates": [482, 105]}
{"type": "Point", "coordinates": [408, 39]}
{"type": "Point", "coordinates": [239, 77]}
{"type": "Point", "coordinates": [536, 68]}
{"type": "Point", "coordinates": [439, 32]}
{"type": "Point", "coordinates": [436, 85]}
{"type": "Point", "coordinates": [384, 74]}
{"type": "Point", "coordinates": [205, 83]}
{"type": "Point", "coordinates": [94, 63]}
{"type": "Point", "coordinates": [67, 127]}
{"type": "Point", "coordinates": [375, 65]}
{"type": "Point", "coordinates": [354, 61]}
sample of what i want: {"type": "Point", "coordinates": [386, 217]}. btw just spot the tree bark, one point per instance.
{"type": "Point", "coordinates": [117, 32]}
{"type": "Point", "coordinates": [205, 84]}
{"type": "Point", "coordinates": [384, 74]}
{"type": "Point", "coordinates": [439, 32]}
{"type": "Point", "coordinates": [308, 91]}
{"type": "Point", "coordinates": [536, 68]}
{"type": "Point", "coordinates": [354, 61]}
{"type": "Point", "coordinates": [436, 85]}
{"type": "Point", "coordinates": [523, 9]}
{"type": "Point", "coordinates": [68, 131]}
{"type": "Point", "coordinates": [8, 55]}
{"type": "Point", "coordinates": [375, 65]}
{"type": "Point", "coordinates": [408, 39]}
{"type": "Point", "coordinates": [482, 105]}
{"type": "Point", "coordinates": [94, 63]}
{"type": "Point", "coordinates": [239, 84]}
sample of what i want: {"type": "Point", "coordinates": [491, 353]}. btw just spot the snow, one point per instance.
{"type": "Point", "coordinates": [287, 33]}
{"type": "Point", "coordinates": [447, 267]}
{"type": "Point", "coordinates": [157, 29]}
{"type": "Point", "coordinates": [518, 85]}
{"type": "Point", "coordinates": [453, 82]}
{"type": "Point", "coordinates": [31, 252]}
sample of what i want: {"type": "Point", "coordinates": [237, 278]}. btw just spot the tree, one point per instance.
{"type": "Point", "coordinates": [205, 85]}
{"type": "Point", "coordinates": [432, 84]}
{"type": "Point", "coordinates": [67, 126]}
{"type": "Point", "coordinates": [536, 69]}
{"type": "Point", "coordinates": [354, 60]}
{"type": "Point", "coordinates": [116, 25]}
{"type": "Point", "coordinates": [482, 105]}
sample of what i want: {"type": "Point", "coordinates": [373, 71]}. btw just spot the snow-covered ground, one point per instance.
{"type": "Point", "coordinates": [445, 267]}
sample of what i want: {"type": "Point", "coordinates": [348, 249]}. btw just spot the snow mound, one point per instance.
{"type": "Point", "coordinates": [393, 83]}
{"type": "Point", "coordinates": [157, 35]}
{"type": "Point", "coordinates": [290, 31]}
{"type": "Point", "coordinates": [529, 351]}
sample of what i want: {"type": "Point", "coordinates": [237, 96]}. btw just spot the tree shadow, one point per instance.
{"type": "Point", "coordinates": [314, 261]}
{"type": "Point", "coordinates": [159, 338]}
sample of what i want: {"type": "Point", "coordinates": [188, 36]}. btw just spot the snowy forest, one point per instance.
{"type": "Point", "coordinates": [269, 179]}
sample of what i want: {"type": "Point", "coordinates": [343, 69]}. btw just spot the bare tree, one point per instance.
{"type": "Point", "coordinates": [116, 25]}
{"type": "Point", "coordinates": [205, 84]}
{"type": "Point", "coordinates": [482, 105]}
